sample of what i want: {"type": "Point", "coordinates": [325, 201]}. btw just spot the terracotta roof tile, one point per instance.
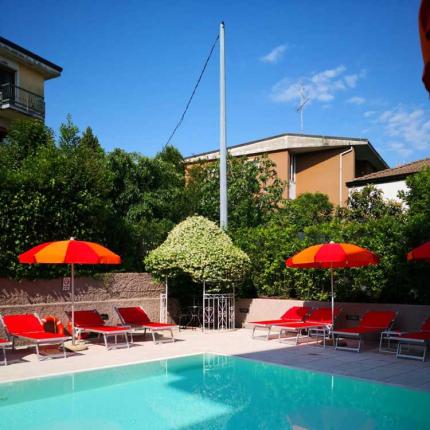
{"type": "Point", "coordinates": [399, 171]}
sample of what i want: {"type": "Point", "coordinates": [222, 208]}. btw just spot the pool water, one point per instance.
{"type": "Point", "coordinates": [208, 392]}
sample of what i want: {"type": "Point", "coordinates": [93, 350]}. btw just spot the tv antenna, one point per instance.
{"type": "Point", "coordinates": [301, 107]}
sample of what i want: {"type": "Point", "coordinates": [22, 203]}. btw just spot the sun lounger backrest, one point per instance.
{"type": "Point", "coordinates": [296, 313]}
{"type": "Point", "coordinates": [87, 318]}
{"type": "Point", "coordinates": [323, 315]}
{"type": "Point", "coordinates": [426, 325]}
{"type": "Point", "coordinates": [378, 319]}
{"type": "Point", "coordinates": [133, 315]}
{"type": "Point", "coordinates": [22, 323]}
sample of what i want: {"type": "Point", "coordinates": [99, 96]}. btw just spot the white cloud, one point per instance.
{"type": "Point", "coordinates": [356, 100]}
{"type": "Point", "coordinates": [410, 127]}
{"type": "Point", "coordinates": [321, 86]}
{"type": "Point", "coordinates": [369, 113]}
{"type": "Point", "coordinates": [401, 148]}
{"type": "Point", "coordinates": [274, 55]}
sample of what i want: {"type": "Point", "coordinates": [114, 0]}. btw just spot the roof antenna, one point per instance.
{"type": "Point", "coordinates": [301, 107]}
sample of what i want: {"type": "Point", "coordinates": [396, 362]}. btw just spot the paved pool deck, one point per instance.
{"type": "Point", "coordinates": [368, 364]}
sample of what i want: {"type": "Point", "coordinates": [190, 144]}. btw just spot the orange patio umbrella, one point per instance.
{"type": "Point", "coordinates": [421, 252]}
{"type": "Point", "coordinates": [424, 30]}
{"type": "Point", "coordinates": [70, 252]}
{"type": "Point", "coordinates": [332, 255]}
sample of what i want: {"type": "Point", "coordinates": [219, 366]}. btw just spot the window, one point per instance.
{"type": "Point", "coordinates": [7, 76]}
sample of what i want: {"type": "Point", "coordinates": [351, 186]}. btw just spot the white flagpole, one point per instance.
{"type": "Point", "coordinates": [222, 137]}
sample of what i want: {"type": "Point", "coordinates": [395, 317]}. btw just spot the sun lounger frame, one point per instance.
{"type": "Point", "coordinates": [105, 333]}
{"type": "Point", "coordinates": [339, 334]}
{"type": "Point", "coordinates": [36, 342]}
{"type": "Point", "coordinates": [308, 329]}
{"type": "Point", "coordinates": [269, 327]}
{"type": "Point", "coordinates": [404, 342]}
{"type": "Point", "coordinates": [142, 328]}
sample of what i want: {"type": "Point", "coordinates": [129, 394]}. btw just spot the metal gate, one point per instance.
{"type": "Point", "coordinates": [218, 311]}
{"type": "Point", "coordinates": [163, 308]}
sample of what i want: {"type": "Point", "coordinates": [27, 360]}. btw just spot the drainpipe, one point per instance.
{"type": "Point", "coordinates": [341, 175]}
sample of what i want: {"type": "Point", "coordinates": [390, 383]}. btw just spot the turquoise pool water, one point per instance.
{"type": "Point", "coordinates": [208, 392]}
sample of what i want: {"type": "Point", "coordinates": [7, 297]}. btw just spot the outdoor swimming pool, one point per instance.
{"type": "Point", "coordinates": [208, 392]}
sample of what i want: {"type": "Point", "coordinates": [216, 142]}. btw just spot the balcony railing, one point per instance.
{"type": "Point", "coordinates": [22, 100]}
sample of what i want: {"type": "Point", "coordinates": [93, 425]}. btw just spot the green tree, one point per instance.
{"type": "Point", "coordinates": [254, 190]}
{"type": "Point", "coordinates": [198, 248]}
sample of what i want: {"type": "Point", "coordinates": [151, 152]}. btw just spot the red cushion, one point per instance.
{"type": "Point", "coordinates": [158, 325]}
{"type": "Point", "coordinates": [39, 335]}
{"type": "Point", "coordinates": [296, 313]}
{"type": "Point", "coordinates": [299, 324]}
{"type": "Point", "coordinates": [421, 335]}
{"type": "Point", "coordinates": [103, 328]}
{"type": "Point", "coordinates": [87, 318]}
{"type": "Point", "coordinates": [360, 330]}
{"type": "Point", "coordinates": [4, 341]}
{"type": "Point", "coordinates": [22, 323]}
{"type": "Point", "coordinates": [377, 319]}
{"type": "Point", "coordinates": [268, 322]}
{"type": "Point", "coordinates": [134, 315]}
{"type": "Point", "coordinates": [426, 325]}
{"type": "Point", "coordinates": [322, 315]}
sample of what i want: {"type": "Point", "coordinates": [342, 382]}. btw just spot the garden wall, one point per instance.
{"type": "Point", "coordinates": [52, 297]}
{"type": "Point", "coordinates": [410, 317]}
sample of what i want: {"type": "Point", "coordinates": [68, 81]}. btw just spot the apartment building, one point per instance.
{"type": "Point", "coordinates": [22, 83]}
{"type": "Point", "coordinates": [311, 163]}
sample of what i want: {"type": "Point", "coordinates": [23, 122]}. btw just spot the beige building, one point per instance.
{"type": "Point", "coordinates": [22, 83]}
{"type": "Point", "coordinates": [310, 163]}
{"type": "Point", "coordinates": [390, 181]}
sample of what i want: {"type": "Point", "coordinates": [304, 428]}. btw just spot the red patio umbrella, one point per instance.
{"type": "Point", "coordinates": [421, 252]}
{"type": "Point", "coordinates": [332, 255]}
{"type": "Point", "coordinates": [70, 252]}
{"type": "Point", "coordinates": [424, 30]}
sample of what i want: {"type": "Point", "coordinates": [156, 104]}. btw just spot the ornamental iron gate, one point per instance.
{"type": "Point", "coordinates": [218, 311]}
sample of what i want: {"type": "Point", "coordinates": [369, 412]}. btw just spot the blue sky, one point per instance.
{"type": "Point", "coordinates": [130, 66]}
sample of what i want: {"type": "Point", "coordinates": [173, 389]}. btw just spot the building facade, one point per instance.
{"type": "Point", "coordinates": [390, 181]}
{"type": "Point", "coordinates": [22, 84]}
{"type": "Point", "coordinates": [310, 163]}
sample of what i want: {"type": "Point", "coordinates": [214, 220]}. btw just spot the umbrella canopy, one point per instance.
{"type": "Point", "coordinates": [424, 30]}
{"type": "Point", "coordinates": [422, 252]}
{"type": "Point", "coordinates": [332, 255]}
{"type": "Point", "coordinates": [70, 252]}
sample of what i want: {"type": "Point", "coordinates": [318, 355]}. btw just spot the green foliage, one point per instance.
{"type": "Point", "coordinates": [370, 222]}
{"type": "Point", "coordinates": [199, 248]}
{"type": "Point", "coordinates": [418, 200]}
{"type": "Point", "coordinates": [54, 190]}
{"type": "Point", "coordinates": [254, 190]}
{"type": "Point", "coordinates": [368, 203]}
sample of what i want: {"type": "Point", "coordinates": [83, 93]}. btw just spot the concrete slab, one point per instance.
{"type": "Point", "coordinates": [370, 364]}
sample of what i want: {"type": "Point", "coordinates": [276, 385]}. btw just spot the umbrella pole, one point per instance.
{"type": "Point", "coordinates": [167, 303]}
{"type": "Point", "coordinates": [73, 303]}
{"type": "Point", "coordinates": [332, 297]}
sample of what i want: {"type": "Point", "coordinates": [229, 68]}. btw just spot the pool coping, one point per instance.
{"type": "Point", "coordinates": [133, 363]}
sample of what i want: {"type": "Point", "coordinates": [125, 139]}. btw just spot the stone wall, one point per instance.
{"type": "Point", "coordinates": [50, 297]}
{"type": "Point", "coordinates": [410, 317]}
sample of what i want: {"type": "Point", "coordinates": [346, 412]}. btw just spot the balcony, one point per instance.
{"type": "Point", "coordinates": [22, 100]}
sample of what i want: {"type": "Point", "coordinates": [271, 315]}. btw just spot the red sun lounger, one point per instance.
{"type": "Point", "coordinates": [4, 343]}
{"type": "Point", "coordinates": [295, 314]}
{"type": "Point", "coordinates": [373, 322]}
{"type": "Point", "coordinates": [90, 321]}
{"type": "Point", "coordinates": [29, 327]}
{"type": "Point", "coordinates": [414, 339]}
{"type": "Point", "coordinates": [319, 322]}
{"type": "Point", "coordinates": [138, 320]}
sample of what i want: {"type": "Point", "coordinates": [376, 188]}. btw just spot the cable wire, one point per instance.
{"type": "Point", "coordinates": [181, 119]}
